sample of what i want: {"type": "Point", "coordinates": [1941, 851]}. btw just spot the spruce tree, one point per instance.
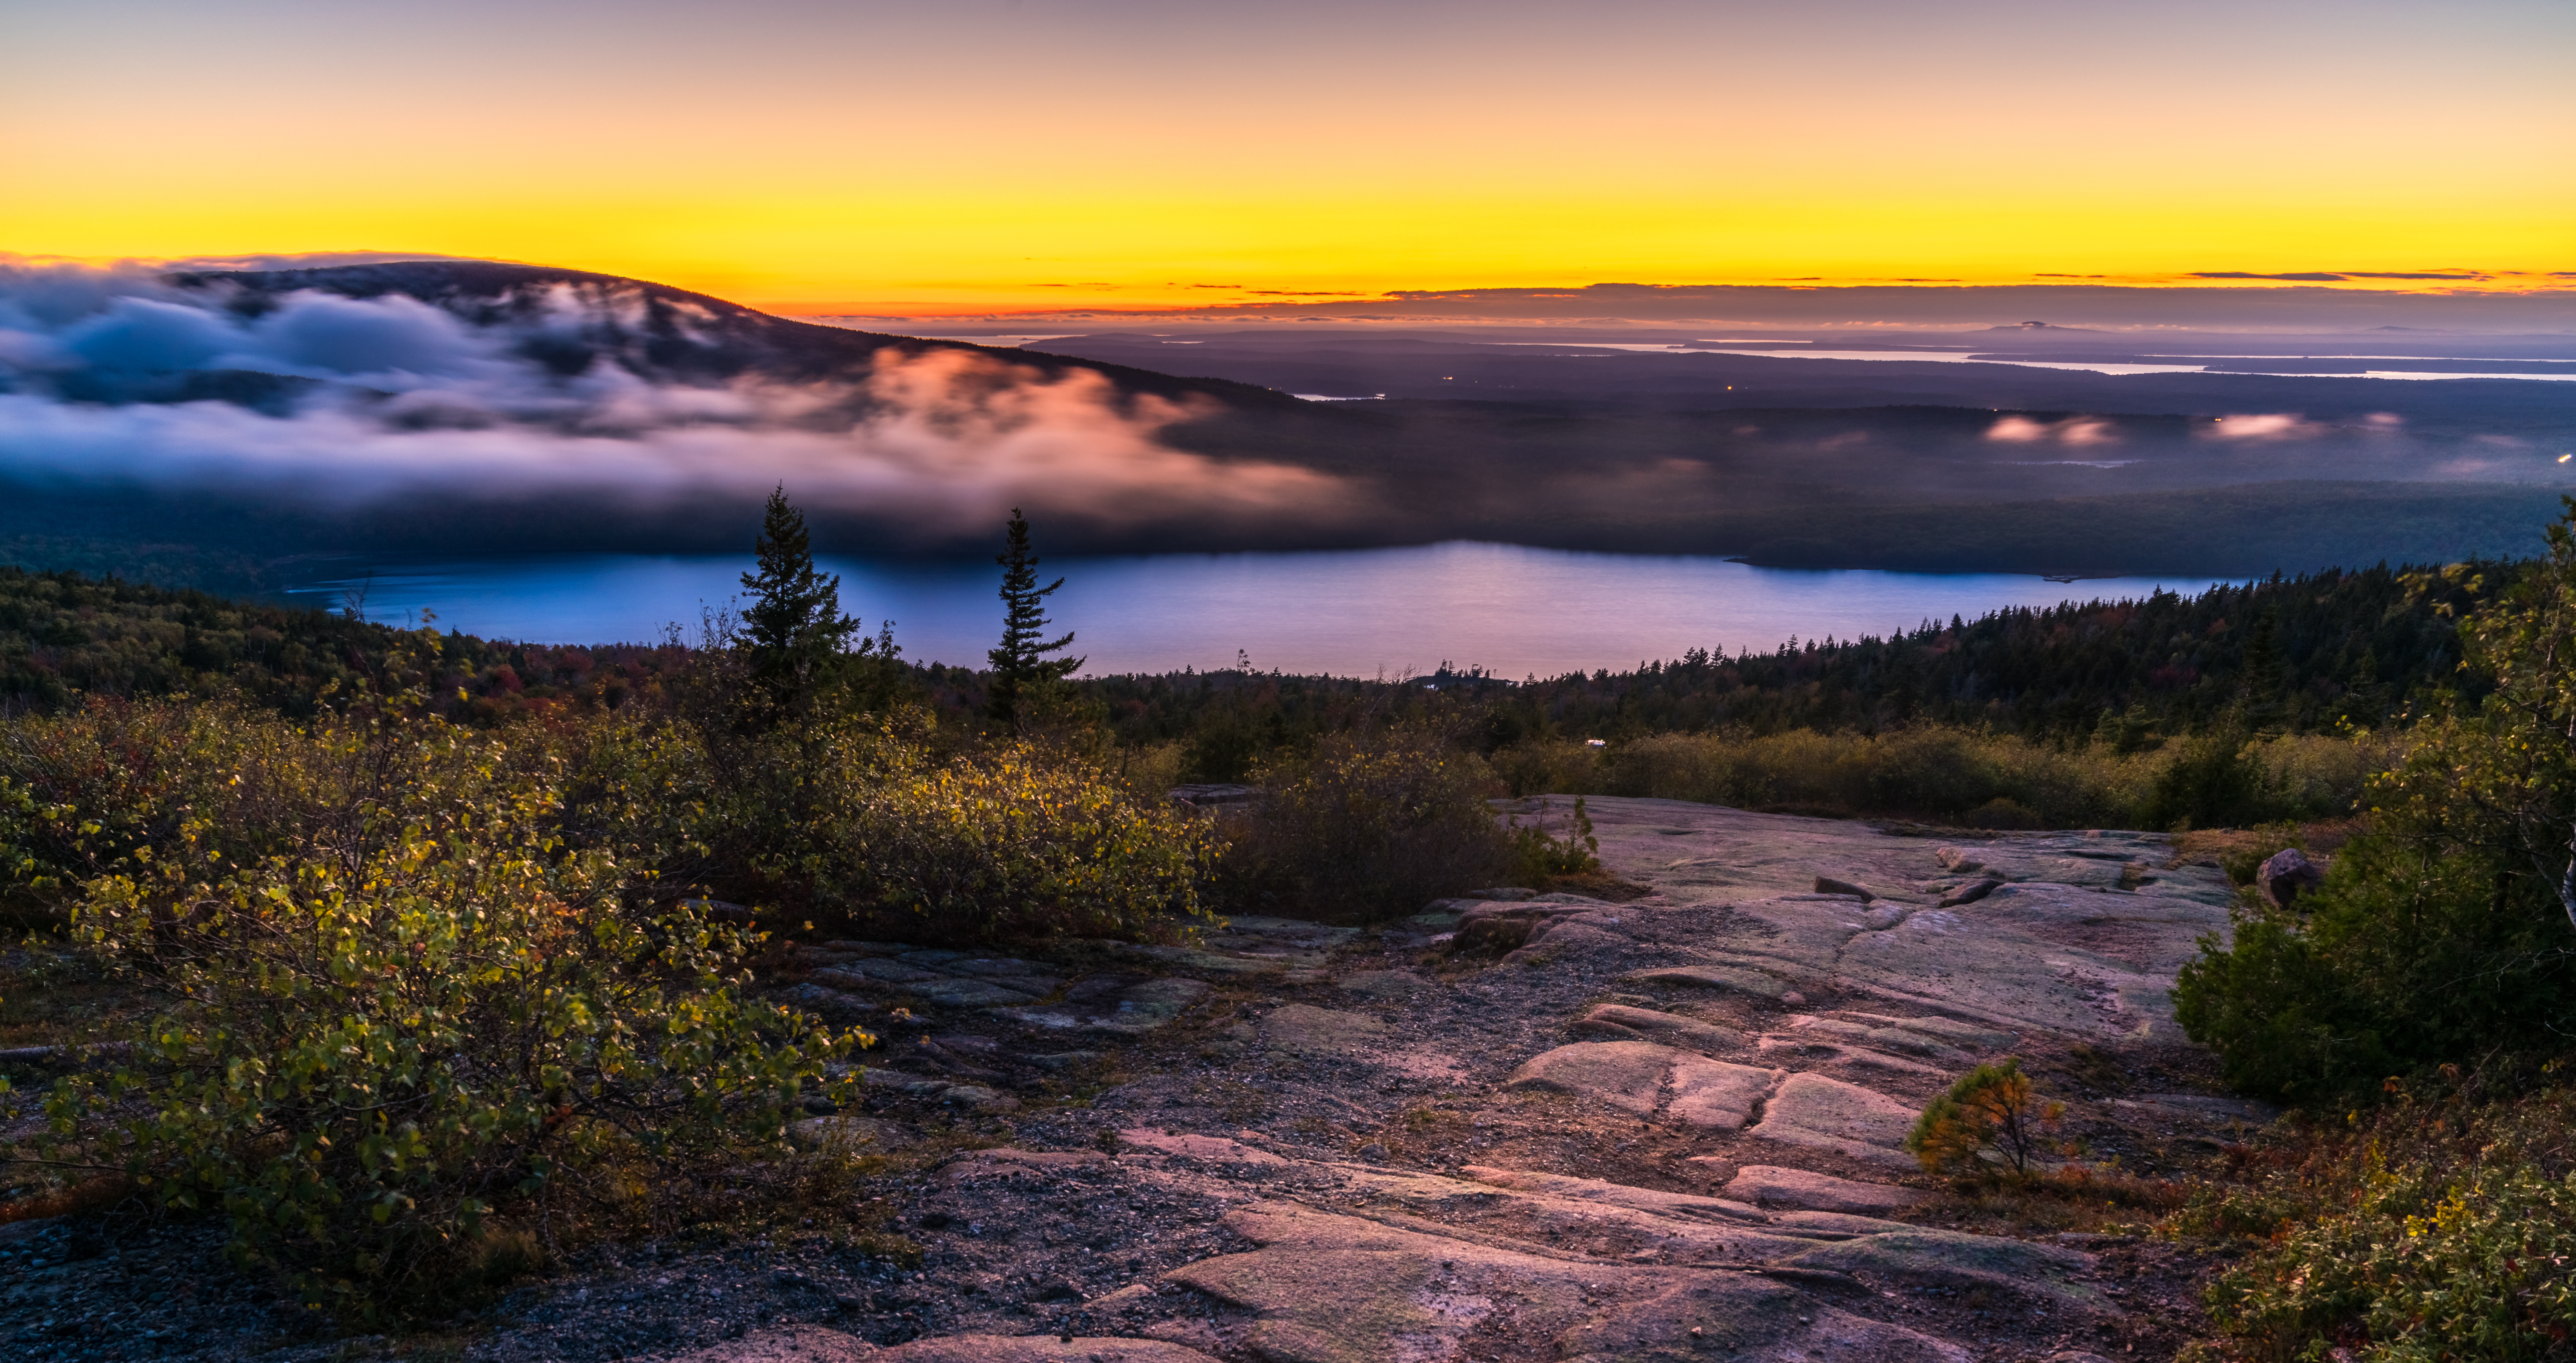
{"type": "Point", "coordinates": [2265, 673]}
{"type": "Point", "coordinates": [794, 639]}
{"type": "Point", "coordinates": [1022, 671]}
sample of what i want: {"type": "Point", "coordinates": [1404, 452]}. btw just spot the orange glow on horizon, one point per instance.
{"type": "Point", "coordinates": [874, 158]}
{"type": "Point", "coordinates": [1002, 304]}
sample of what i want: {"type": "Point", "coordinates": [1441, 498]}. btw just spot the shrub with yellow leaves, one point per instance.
{"type": "Point", "coordinates": [422, 1006]}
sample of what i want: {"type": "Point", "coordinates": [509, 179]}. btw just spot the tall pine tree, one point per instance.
{"type": "Point", "coordinates": [2266, 674]}
{"type": "Point", "coordinates": [1022, 671]}
{"type": "Point", "coordinates": [795, 642]}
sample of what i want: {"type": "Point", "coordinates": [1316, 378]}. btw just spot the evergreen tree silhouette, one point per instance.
{"type": "Point", "coordinates": [1022, 671]}
{"type": "Point", "coordinates": [2265, 673]}
{"type": "Point", "coordinates": [794, 638]}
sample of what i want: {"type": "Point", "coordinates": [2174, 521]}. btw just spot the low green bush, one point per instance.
{"type": "Point", "coordinates": [1548, 767]}
{"type": "Point", "coordinates": [2426, 1231]}
{"type": "Point", "coordinates": [2409, 955]}
{"type": "Point", "coordinates": [2319, 776]}
{"type": "Point", "coordinates": [2448, 930]}
{"type": "Point", "coordinates": [1014, 842]}
{"type": "Point", "coordinates": [84, 792]}
{"type": "Point", "coordinates": [426, 1006]}
{"type": "Point", "coordinates": [1369, 826]}
{"type": "Point", "coordinates": [2004, 814]}
{"type": "Point", "coordinates": [2206, 780]}
{"type": "Point", "coordinates": [1941, 774]}
{"type": "Point", "coordinates": [856, 816]}
{"type": "Point", "coordinates": [1539, 856]}
{"type": "Point", "coordinates": [1967, 777]}
{"type": "Point", "coordinates": [1147, 774]}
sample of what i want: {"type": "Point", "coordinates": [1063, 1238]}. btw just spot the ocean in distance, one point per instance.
{"type": "Point", "coordinates": [1511, 610]}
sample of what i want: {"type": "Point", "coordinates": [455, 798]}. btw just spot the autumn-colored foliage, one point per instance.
{"type": "Point", "coordinates": [1990, 1109]}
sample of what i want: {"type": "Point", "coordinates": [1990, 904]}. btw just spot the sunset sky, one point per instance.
{"type": "Point", "coordinates": [1015, 154]}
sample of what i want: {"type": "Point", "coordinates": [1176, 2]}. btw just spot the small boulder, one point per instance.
{"type": "Point", "coordinates": [1557, 936]}
{"type": "Point", "coordinates": [2285, 876]}
{"type": "Point", "coordinates": [1829, 885]}
{"type": "Point", "coordinates": [1971, 892]}
{"type": "Point", "coordinates": [1495, 928]}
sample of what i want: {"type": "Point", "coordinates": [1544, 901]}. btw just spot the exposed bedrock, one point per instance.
{"type": "Point", "coordinates": [1535, 1127]}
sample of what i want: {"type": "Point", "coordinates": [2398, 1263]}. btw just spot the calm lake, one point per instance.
{"type": "Point", "coordinates": [1511, 610]}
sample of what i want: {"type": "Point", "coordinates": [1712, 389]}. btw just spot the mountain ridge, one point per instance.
{"type": "Point", "coordinates": [490, 293]}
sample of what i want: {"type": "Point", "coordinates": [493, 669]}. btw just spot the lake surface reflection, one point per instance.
{"type": "Point", "coordinates": [1514, 611]}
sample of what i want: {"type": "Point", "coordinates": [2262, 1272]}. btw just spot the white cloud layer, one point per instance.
{"type": "Point", "coordinates": [377, 398]}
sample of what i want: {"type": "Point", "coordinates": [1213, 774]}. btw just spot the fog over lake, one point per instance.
{"type": "Point", "coordinates": [1511, 610]}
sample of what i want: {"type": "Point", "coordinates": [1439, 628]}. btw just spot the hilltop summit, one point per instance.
{"type": "Point", "coordinates": [569, 319]}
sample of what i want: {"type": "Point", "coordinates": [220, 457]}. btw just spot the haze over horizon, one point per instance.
{"type": "Point", "coordinates": [1140, 154]}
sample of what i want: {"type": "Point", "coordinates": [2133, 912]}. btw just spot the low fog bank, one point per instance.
{"type": "Point", "coordinates": [340, 391]}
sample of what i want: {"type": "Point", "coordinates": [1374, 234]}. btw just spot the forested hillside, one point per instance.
{"type": "Point", "coordinates": [2296, 654]}
{"type": "Point", "coordinates": [64, 636]}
